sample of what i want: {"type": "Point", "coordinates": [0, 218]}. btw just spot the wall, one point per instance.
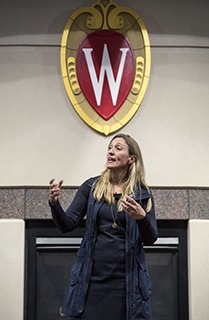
{"type": "Point", "coordinates": [41, 136]}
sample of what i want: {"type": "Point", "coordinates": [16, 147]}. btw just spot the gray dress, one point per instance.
{"type": "Point", "coordinates": [106, 293]}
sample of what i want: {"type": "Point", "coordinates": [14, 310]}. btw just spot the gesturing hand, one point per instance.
{"type": "Point", "coordinates": [54, 190]}
{"type": "Point", "coordinates": [133, 208]}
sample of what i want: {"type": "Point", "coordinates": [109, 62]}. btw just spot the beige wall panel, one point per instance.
{"type": "Point", "coordinates": [43, 137]}
{"type": "Point", "coordinates": [198, 269]}
{"type": "Point", "coordinates": [169, 22]}
{"type": "Point", "coordinates": [12, 268]}
{"type": "Point", "coordinates": [175, 117]}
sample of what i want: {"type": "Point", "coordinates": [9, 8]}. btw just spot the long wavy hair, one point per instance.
{"type": "Point", "coordinates": [135, 176]}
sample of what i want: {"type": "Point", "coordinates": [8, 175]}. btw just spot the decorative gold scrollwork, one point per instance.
{"type": "Point", "coordinates": [73, 76]}
{"type": "Point", "coordinates": [115, 20]}
{"type": "Point", "coordinates": [95, 20]}
{"type": "Point", "coordinates": [138, 75]}
{"type": "Point", "coordinates": [110, 17]}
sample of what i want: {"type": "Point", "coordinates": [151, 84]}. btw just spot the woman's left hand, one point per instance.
{"type": "Point", "coordinates": [133, 208]}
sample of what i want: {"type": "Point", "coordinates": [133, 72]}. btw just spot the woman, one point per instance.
{"type": "Point", "coordinates": [109, 279]}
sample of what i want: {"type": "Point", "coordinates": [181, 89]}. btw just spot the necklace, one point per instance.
{"type": "Point", "coordinates": [114, 217]}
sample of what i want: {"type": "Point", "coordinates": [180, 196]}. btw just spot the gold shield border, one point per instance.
{"type": "Point", "coordinates": [105, 15]}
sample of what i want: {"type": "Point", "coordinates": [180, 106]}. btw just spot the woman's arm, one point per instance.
{"type": "Point", "coordinates": [68, 220]}
{"type": "Point", "coordinates": [148, 226]}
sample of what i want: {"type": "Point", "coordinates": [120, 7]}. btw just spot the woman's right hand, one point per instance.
{"type": "Point", "coordinates": [54, 190]}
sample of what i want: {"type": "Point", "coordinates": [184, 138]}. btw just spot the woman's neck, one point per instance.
{"type": "Point", "coordinates": [118, 180]}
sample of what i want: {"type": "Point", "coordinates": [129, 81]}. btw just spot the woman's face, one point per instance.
{"type": "Point", "coordinates": [118, 154]}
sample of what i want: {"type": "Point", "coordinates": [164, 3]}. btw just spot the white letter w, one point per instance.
{"type": "Point", "coordinates": [105, 67]}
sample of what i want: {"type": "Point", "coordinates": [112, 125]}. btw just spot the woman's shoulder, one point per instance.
{"type": "Point", "coordinates": [86, 187]}
{"type": "Point", "coordinates": [142, 192]}
{"type": "Point", "coordinates": [90, 181]}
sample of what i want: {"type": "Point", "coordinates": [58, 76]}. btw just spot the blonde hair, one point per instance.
{"type": "Point", "coordinates": [135, 176]}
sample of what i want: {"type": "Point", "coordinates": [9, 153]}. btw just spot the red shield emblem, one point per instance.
{"type": "Point", "coordinates": [105, 62]}
{"type": "Point", "coordinates": [105, 70]}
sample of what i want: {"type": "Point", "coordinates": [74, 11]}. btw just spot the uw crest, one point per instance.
{"type": "Point", "coordinates": [105, 64]}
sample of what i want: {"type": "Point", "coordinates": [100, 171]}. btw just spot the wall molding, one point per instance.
{"type": "Point", "coordinates": [171, 203]}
